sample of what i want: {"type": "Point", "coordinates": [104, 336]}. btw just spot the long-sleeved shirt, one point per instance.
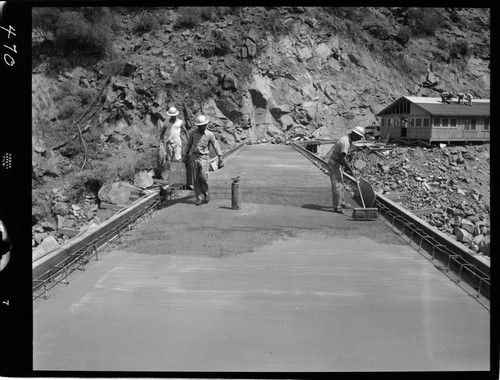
{"type": "Point", "coordinates": [199, 143]}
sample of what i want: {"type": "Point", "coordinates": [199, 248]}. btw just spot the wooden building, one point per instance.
{"type": "Point", "coordinates": [431, 120]}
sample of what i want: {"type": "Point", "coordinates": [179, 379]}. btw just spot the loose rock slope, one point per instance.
{"type": "Point", "coordinates": [452, 182]}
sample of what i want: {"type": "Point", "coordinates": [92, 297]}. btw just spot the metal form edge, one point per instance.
{"type": "Point", "coordinates": [45, 263]}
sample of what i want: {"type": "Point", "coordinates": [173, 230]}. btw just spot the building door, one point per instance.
{"type": "Point", "coordinates": [404, 124]}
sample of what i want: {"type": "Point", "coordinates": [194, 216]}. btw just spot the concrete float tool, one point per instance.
{"type": "Point", "coordinates": [362, 213]}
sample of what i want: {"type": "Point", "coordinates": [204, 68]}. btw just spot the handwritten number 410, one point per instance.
{"type": "Point", "coordinates": [7, 57]}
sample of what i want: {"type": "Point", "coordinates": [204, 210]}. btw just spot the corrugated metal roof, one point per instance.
{"type": "Point", "coordinates": [480, 107]}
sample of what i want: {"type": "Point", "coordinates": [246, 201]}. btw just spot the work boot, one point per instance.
{"type": "Point", "coordinates": [346, 205]}
{"type": "Point", "coordinates": [207, 197]}
{"type": "Point", "coordinates": [199, 202]}
{"type": "Point", "coordinates": [338, 210]}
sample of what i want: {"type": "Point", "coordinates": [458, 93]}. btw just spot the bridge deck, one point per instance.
{"type": "Point", "coordinates": [281, 285]}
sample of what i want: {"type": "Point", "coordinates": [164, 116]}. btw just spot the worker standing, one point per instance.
{"type": "Point", "coordinates": [469, 97]}
{"type": "Point", "coordinates": [197, 154]}
{"type": "Point", "coordinates": [172, 129]}
{"type": "Point", "coordinates": [336, 164]}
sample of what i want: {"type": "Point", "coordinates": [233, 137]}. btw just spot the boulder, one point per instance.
{"type": "Point", "coordinates": [462, 235]}
{"type": "Point", "coordinates": [48, 226]}
{"type": "Point", "coordinates": [38, 237]}
{"type": "Point", "coordinates": [251, 48]}
{"type": "Point", "coordinates": [118, 193]}
{"type": "Point", "coordinates": [477, 239]}
{"type": "Point", "coordinates": [144, 179]}
{"type": "Point", "coordinates": [128, 69]}
{"type": "Point", "coordinates": [63, 222]}
{"type": "Point", "coordinates": [48, 244]}
{"type": "Point", "coordinates": [260, 91]}
{"type": "Point", "coordinates": [229, 82]}
{"type": "Point", "coordinates": [61, 208]}
{"type": "Point", "coordinates": [467, 225]}
{"type": "Point", "coordinates": [484, 246]}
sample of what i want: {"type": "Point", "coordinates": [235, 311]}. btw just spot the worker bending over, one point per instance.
{"type": "Point", "coordinates": [336, 164]}
{"type": "Point", "coordinates": [197, 154]}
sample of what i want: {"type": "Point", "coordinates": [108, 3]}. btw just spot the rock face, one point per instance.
{"type": "Point", "coordinates": [255, 80]}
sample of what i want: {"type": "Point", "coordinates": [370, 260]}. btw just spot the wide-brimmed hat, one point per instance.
{"type": "Point", "coordinates": [201, 120]}
{"type": "Point", "coordinates": [172, 111]}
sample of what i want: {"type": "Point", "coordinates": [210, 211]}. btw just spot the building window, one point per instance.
{"type": "Point", "coordinates": [411, 122]}
{"type": "Point", "coordinates": [453, 123]}
{"type": "Point", "coordinates": [389, 122]}
{"type": "Point", "coordinates": [486, 126]}
{"type": "Point", "coordinates": [436, 122]}
{"type": "Point", "coordinates": [444, 122]}
{"type": "Point", "coordinates": [466, 125]}
{"type": "Point", "coordinates": [396, 124]}
{"type": "Point", "coordinates": [427, 122]}
{"type": "Point", "coordinates": [473, 125]}
{"type": "Point", "coordinates": [383, 122]}
{"type": "Point", "coordinates": [418, 122]}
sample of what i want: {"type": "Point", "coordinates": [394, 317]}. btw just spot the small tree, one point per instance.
{"type": "Point", "coordinates": [424, 21]}
{"type": "Point", "coordinates": [403, 36]}
{"type": "Point", "coordinates": [188, 18]}
{"type": "Point", "coordinates": [459, 49]}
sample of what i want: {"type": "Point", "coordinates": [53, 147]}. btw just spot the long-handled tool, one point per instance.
{"type": "Point", "coordinates": [363, 213]}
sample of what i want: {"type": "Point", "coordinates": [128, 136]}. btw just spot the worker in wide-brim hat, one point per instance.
{"type": "Point", "coordinates": [198, 155]}
{"type": "Point", "coordinates": [336, 164]}
{"type": "Point", "coordinates": [170, 135]}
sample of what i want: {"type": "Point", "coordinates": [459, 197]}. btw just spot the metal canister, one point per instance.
{"type": "Point", "coordinates": [235, 195]}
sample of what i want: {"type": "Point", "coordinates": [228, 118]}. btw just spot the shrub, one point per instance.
{"type": "Point", "coordinates": [96, 15]}
{"type": "Point", "coordinates": [459, 49]}
{"type": "Point", "coordinates": [208, 13]}
{"type": "Point", "coordinates": [72, 98]}
{"type": "Point", "coordinates": [403, 36]}
{"type": "Point", "coordinates": [72, 149]}
{"type": "Point", "coordinates": [89, 180]}
{"type": "Point", "coordinates": [146, 22]}
{"type": "Point", "coordinates": [68, 107]}
{"type": "Point", "coordinates": [188, 18]}
{"type": "Point", "coordinates": [146, 160]}
{"type": "Point", "coordinates": [73, 32]}
{"type": "Point", "coordinates": [424, 21]}
{"type": "Point", "coordinates": [43, 21]}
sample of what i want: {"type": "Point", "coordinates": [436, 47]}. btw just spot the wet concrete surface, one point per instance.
{"type": "Point", "coordinates": [282, 285]}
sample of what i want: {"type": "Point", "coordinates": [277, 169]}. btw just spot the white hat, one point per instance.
{"type": "Point", "coordinates": [201, 120]}
{"type": "Point", "coordinates": [359, 131]}
{"type": "Point", "coordinates": [172, 111]}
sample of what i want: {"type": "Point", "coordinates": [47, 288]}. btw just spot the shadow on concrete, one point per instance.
{"type": "Point", "coordinates": [170, 202]}
{"type": "Point", "coordinates": [226, 207]}
{"type": "Point", "coordinates": [318, 207]}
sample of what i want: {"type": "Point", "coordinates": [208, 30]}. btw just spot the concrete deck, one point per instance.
{"type": "Point", "coordinates": [281, 285]}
